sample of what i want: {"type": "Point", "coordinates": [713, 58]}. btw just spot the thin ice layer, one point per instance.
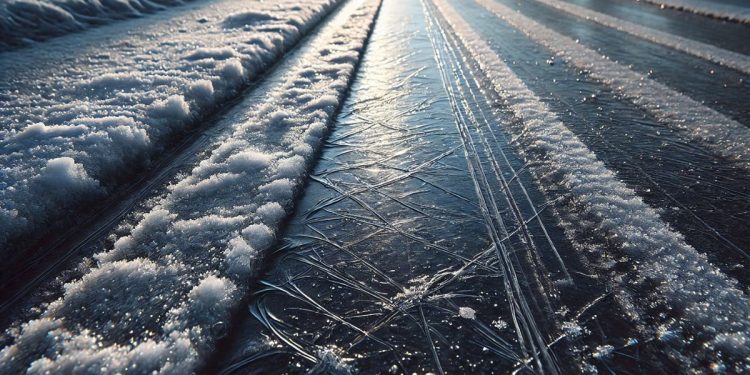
{"type": "Point", "coordinates": [390, 263]}
{"type": "Point", "coordinates": [161, 295]}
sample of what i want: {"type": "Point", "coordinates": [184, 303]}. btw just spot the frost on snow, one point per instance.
{"type": "Point", "coordinates": [107, 114]}
{"type": "Point", "coordinates": [24, 20]}
{"type": "Point", "coordinates": [157, 300]}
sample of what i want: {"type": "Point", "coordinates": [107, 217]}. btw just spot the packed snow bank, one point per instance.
{"type": "Point", "coordinates": [705, 51]}
{"type": "Point", "coordinates": [709, 306]}
{"type": "Point", "coordinates": [112, 106]}
{"type": "Point", "coordinates": [161, 295]}
{"type": "Point", "coordinates": [25, 20]}
{"type": "Point", "coordinates": [711, 9]}
{"type": "Point", "coordinates": [721, 134]}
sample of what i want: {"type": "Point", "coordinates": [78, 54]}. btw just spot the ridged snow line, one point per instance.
{"type": "Point", "coordinates": [701, 50]}
{"type": "Point", "coordinates": [721, 134]}
{"type": "Point", "coordinates": [156, 301]}
{"type": "Point", "coordinates": [22, 21]}
{"type": "Point", "coordinates": [707, 301]}
{"type": "Point", "coordinates": [712, 9]}
{"type": "Point", "coordinates": [69, 134]}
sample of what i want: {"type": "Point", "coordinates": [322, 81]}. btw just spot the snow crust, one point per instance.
{"type": "Point", "coordinates": [109, 113]}
{"type": "Point", "coordinates": [706, 300]}
{"type": "Point", "coordinates": [704, 51]}
{"type": "Point", "coordinates": [720, 133]}
{"type": "Point", "coordinates": [156, 301]}
{"type": "Point", "coordinates": [22, 21]}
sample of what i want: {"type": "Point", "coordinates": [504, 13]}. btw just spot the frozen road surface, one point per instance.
{"type": "Point", "coordinates": [374, 186]}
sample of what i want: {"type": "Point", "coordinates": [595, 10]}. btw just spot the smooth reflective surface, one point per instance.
{"type": "Point", "coordinates": [421, 245]}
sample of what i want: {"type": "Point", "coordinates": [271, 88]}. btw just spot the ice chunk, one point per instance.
{"type": "Point", "coordinates": [240, 258]}
{"type": "Point", "coordinates": [467, 313]}
{"type": "Point", "coordinates": [174, 108]}
{"type": "Point", "coordinates": [604, 352]}
{"type": "Point", "coordinates": [201, 91]}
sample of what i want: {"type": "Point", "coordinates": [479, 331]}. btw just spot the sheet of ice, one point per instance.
{"type": "Point", "coordinates": [702, 50]}
{"type": "Point", "coordinates": [721, 134]}
{"type": "Point", "coordinates": [707, 302]}
{"type": "Point", "coordinates": [157, 300]}
{"type": "Point", "coordinates": [388, 251]}
{"type": "Point", "coordinates": [109, 104]}
{"type": "Point", "coordinates": [713, 9]}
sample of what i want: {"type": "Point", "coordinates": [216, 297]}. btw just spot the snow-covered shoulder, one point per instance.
{"type": "Point", "coordinates": [76, 119]}
{"type": "Point", "coordinates": [23, 21]}
{"type": "Point", "coordinates": [157, 299]}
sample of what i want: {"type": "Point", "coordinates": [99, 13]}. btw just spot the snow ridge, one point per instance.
{"type": "Point", "coordinates": [109, 116]}
{"type": "Point", "coordinates": [707, 301]}
{"type": "Point", "coordinates": [22, 21]}
{"type": "Point", "coordinates": [704, 51]}
{"type": "Point", "coordinates": [721, 134]}
{"type": "Point", "coordinates": [157, 300]}
{"type": "Point", "coordinates": [725, 12]}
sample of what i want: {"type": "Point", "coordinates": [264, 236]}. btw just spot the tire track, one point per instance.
{"type": "Point", "coordinates": [681, 273]}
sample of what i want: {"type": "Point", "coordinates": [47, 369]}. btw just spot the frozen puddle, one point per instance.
{"type": "Point", "coordinates": [421, 245]}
